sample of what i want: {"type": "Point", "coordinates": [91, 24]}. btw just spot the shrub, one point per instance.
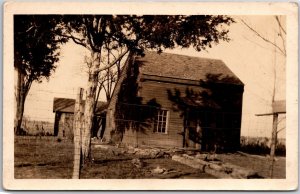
{"type": "Point", "coordinates": [260, 146]}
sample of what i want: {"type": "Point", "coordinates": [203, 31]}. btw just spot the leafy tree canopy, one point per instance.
{"type": "Point", "coordinates": [36, 45]}
{"type": "Point", "coordinates": [138, 33]}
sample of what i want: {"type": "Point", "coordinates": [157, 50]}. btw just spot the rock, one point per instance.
{"type": "Point", "coordinates": [142, 152]}
{"type": "Point", "coordinates": [211, 157]}
{"type": "Point", "coordinates": [131, 150]}
{"type": "Point", "coordinates": [103, 146]}
{"type": "Point", "coordinates": [240, 172]}
{"type": "Point", "coordinates": [190, 152]}
{"type": "Point", "coordinates": [116, 152]}
{"type": "Point", "coordinates": [218, 169]}
{"type": "Point", "coordinates": [190, 161]}
{"type": "Point", "coordinates": [158, 170]}
{"type": "Point", "coordinates": [122, 151]}
{"type": "Point", "coordinates": [160, 154]}
{"type": "Point", "coordinates": [152, 153]}
{"type": "Point", "coordinates": [137, 162]}
{"type": "Point", "coordinates": [201, 156]}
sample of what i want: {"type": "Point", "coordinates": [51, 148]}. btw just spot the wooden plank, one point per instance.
{"type": "Point", "coordinates": [77, 124]}
{"type": "Point", "coordinates": [279, 106]}
{"type": "Point", "coordinates": [273, 143]}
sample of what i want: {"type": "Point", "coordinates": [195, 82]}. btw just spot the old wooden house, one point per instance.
{"type": "Point", "coordinates": [171, 100]}
{"type": "Point", "coordinates": [64, 116]}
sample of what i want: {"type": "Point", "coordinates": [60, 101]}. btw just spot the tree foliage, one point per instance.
{"type": "Point", "coordinates": [36, 44]}
{"type": "Point", "coordinates": [147, 31]}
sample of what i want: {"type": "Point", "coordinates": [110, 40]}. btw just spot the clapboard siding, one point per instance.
{"type": "Point", "coordinates": [159, 90]}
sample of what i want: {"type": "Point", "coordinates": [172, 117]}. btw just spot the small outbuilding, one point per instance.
{"type": "Point", "coordinates": [64, 116]}
{"type": "Point", "coordinates": [170, 100]}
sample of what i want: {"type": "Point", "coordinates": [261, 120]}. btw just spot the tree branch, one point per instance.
{"type": "Point", "coordinates": [263, 38]}
{"type": "Point", "coordinates": [279, 23]}
{"type": "Point", "coordinates": [114, 62]}
{"type": "Point", "coordinates": [97, 97]}
{"type": "Point", "coordinates": [282, 39]}
{"type": "Point", "coordinates": [104, 89]}
{"type": "Point", "coordinates": [280, 129]}
{"type": "Point", "coordinates": [76, 40]}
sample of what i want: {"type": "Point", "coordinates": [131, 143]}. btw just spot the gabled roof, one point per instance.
{"type": "Point", "coordinates": [185, 67]}
{"type": "Point", "coordinates": [67, 105]}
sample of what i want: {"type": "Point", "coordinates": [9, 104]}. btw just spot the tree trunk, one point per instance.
{"type": "Point", "coordinates": [89, 106]}
{"type": "Point", "coordinates": [20, 102]}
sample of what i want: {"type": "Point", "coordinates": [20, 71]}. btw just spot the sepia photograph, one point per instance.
{"type": "Point", "coordinates": [132, 97]}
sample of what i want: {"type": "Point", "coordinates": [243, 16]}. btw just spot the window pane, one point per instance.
{"type": "Point", "coordinates": [165, 113]}
{"type": "Point", "coordinates": [164, 119]}
{"type": "Point", "coordinates": [159, 127]}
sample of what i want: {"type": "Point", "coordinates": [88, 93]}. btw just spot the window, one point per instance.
{"type": "Point", "coordinates": [161, 121]}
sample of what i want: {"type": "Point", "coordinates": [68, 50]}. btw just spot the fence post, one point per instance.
{"type": "Point", "coordinates": [77, 127]}
{"type": "Point", "coordinates": [273, 143]}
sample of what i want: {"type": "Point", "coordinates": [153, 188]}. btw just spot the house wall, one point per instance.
{"type": "Point", "coordinates": [155, 91]}
{"type": "Point", "coordinates": [111, 109]}
{"type": "Point", "coordinates": [158, 92]}
{"type": "Point", "coordinates": [65, 126]}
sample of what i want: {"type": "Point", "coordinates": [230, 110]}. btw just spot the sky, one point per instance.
{"type": "Point", "coordinates": [249, 58]}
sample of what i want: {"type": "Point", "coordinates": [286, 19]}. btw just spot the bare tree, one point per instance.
{"type": "Point", "coordinates": [279, 47]}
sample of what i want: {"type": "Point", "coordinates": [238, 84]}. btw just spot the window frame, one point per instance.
{"type": "Point", "coordinates": [159, 118]}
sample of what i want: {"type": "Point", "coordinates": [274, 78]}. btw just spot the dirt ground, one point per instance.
{"type": "Point", "coordinates": [258, 163]}
{"type": "Point", "coordinates": [47, 158]}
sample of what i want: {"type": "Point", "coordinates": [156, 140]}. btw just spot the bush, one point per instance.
{"type": "Point", "coordinates": [260, 146]}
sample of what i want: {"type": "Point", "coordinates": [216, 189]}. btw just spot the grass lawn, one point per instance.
{"type": "Point", "coordinates": [259, 164]}
{"type": "Point", "coordinates": [46, 158]}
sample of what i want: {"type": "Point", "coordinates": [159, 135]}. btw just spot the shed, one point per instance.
{"type": "Point", "coordinates": [171, 100]}
{"type": "Point", "coordinates": [64, 116]}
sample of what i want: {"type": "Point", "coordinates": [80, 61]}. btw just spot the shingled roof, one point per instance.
{"type": "Point", "coordinates": [185, 67]}
{"type": "Point", "coordinates": [67, 105]}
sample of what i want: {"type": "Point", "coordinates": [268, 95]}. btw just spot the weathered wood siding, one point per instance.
{"type": "Point", "coordinates": [111, 109]}
{"type": "Point", "coordinates": [158, 91]}
{"type": "Point", "coordinates": [66, 126]}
